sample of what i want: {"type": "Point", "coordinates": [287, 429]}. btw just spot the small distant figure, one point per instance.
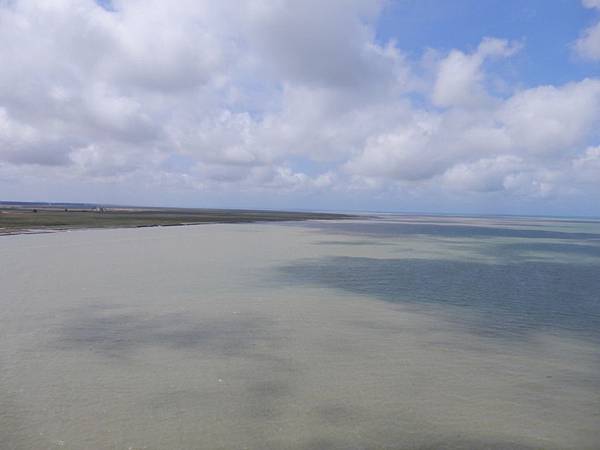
{"type": "Point", "coordinates": [99, 209]}
{"type": "Point", "coordinates": [66, 209]}
{"type": "Point", "coordinates": [34, 210]}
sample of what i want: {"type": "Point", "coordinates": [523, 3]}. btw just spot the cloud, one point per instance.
{"type": "Point", "coordinates": [591, 3]}
{"type": "Point", "coordinates": [319, 43]}
{"type": "Point", "coordinates": [272, 96]}
{"type": "Point", "coordinates": [459, 80]}
{"type": "Point", "coordinates": [588, 44]}
{"type": "Point", "coordinates": [586, 167]}
{"type": "Point", "coordinates": [550, 119]}
{"type": "Point", "coordinates": [485, 175]}
{"type": "Point", "coordinates": [537, 126]}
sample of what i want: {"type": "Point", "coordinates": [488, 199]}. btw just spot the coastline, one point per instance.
{"type": "Point", "coordinates": [30, 219]}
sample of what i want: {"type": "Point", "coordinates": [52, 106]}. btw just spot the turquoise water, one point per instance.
{"type": "Point", "coordinates": [405, 332]}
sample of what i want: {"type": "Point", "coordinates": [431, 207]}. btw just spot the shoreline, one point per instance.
{"type": "Point", "coordinates": [29, 220]}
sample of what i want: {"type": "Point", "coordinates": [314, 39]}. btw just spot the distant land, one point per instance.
{"type": "Point", "coordinates": [32, 217]}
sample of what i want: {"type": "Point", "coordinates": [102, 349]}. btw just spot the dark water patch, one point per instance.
{"type": "Point", "coordinates": [270, 389]}
{"type": "Point", "coordinates": [467, 444]}
{"type": "Point", "coordinates": [335, 414]}
{"type": "Point", "coordinates": [266, 399]}
{"type": "Point", "coordinates": [451, 443]}
{"type": "Point", "coordinates": [329, 443]}
{"type": "Point", "coordinates": [351, 243]}
{"type": "Point", "coordinates": [119, 334]}
{"type": "Point", "coordinates": [398, 229]}
{"type": "Point", "coordinates": [512, 298]}
{"type": "Point", "coordinates": [172, 403]}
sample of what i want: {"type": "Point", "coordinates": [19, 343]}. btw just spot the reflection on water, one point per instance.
{"type": "Point", "coordinates": [404, 332]}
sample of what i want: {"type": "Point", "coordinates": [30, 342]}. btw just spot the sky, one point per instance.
{"type": "Point", "coordinates": [468, 106]}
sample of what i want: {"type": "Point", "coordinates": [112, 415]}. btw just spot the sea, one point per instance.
{"type": "Point", "coordinates": [380, 332]}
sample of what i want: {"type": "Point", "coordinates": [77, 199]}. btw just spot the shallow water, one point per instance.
{"type": "Point", "coordinates": [404, 332]}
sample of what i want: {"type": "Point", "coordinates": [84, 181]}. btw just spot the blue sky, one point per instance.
{"type": "Point", "coordinates": [547, 28]}
{"type": "Point", "coordinates": [470, 106]}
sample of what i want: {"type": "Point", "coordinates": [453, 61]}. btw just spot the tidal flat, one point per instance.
{"type": "Point", "coordinates": [27, 218]}
{"type": "Point", "coordinates": [398, 332]}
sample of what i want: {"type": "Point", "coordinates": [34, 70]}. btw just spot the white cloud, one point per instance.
{"type": "Point", "coordinates": [459, 80]}
{"type": "Point", "coordinates": [586, 167]}
{"type": "Point", "coordinates": [278, 96]}
{"type": "Point", "coordinates": [551, 119]}
{"type": "Point", "coordinates": [319, 43]}
{"type": "Point", "coordinates": [408, 152]}
{"type": "Point", "coordinates": [485, 175]}
{"type": "Point", "coordinates": [588, 44]}
{"type": "Point", "coordinates": [479, 149]}
{"type": "Point", "coordinates": [591, 3]}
